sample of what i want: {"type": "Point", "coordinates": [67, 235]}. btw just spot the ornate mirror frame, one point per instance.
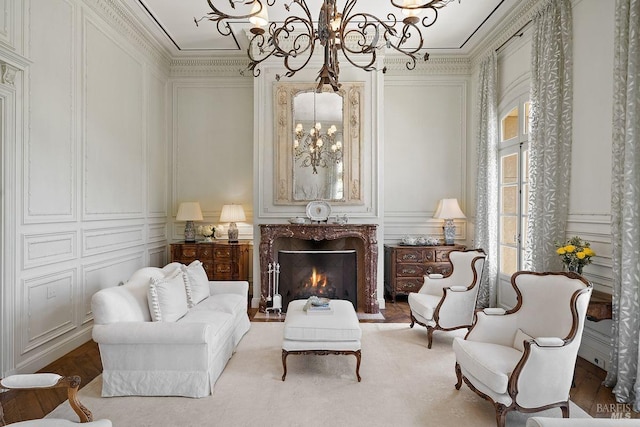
{"type": "Point", "coordinates": [352, 113]}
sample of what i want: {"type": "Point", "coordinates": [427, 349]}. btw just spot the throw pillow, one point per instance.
{"type": "Point", "coordinates": [167, 298]}
{"type": "Point", "coordinates": [196, 283]}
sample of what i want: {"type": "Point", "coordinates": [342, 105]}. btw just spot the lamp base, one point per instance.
{"type": "Point", "coordinates": [449, 232]}
{"type": "Point", "coordinates": [189, 232]}
{"type": "Point", "coordinates": [233, 232]}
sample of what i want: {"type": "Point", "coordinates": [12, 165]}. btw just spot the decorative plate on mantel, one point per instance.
{"type": "Point", "coordinates": [318, 210]}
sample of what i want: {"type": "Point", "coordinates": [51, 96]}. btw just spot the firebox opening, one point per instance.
{"type": "Point", "coordinates": [328, 274]}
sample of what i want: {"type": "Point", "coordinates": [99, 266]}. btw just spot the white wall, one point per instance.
{"type": "Point", "coordinates": [90, 159]}
{"type": "Point", "coordinates": [425, 152]}
{"type": "Point", "coordinates": [212, 147]}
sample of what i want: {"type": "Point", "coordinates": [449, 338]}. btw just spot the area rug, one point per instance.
{"type": "Point", "coordinates": [403, 384]}
{"type": "Point", "coordinates": [276, 316]}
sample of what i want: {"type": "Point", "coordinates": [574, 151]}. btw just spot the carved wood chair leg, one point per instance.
{"type": "Point", "coordinates": [429, 336]}
{"type": "Point", "coordinates": [413, 320]}
{"type": "Point", "coordinates": [459, 376]}
{"type": "Point", "coordinates": [284, 363]}
{"type": "Point", "coordinates": [73, 383]}
{"type": "Point", "coordinates": [565, 410]}
{"type": "Point", "coordinates": [501, 415]}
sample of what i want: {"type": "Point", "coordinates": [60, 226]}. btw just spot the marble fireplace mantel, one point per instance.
{"type": "Point", "coordinates": [274, 237]}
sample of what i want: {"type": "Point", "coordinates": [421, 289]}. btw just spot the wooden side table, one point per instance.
{"type": "Point", "coordinates": [405, 266]}
{"type": "Point", "coordinates": [221, 260]}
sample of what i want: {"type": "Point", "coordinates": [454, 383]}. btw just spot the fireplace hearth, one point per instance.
{"type": "Point", "coordinates": [325, 274]}
{"type": "Point", "coordinates": [361, 238]}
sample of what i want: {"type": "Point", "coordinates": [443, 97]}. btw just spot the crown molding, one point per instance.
{"type": "Point", "coordinates": [457, 65]}
{"type": "Point", "coordinates": [209, 67]}
{"type": "Point", "coordinates": [122, 20]}
{"type": "Point", "coordinates": [513, 22]}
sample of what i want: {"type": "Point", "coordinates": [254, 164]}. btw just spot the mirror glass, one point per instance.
{"type": "Point", "coordinates": [317, 146]}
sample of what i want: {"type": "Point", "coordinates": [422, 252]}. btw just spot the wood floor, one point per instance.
{"type": "Point", "coordinates": [588, 393]}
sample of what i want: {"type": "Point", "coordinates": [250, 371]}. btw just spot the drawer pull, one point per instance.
{"type": "Point", "coordinates": [409, 257]}
{"type": "Point", "coordinates": [409, 271]}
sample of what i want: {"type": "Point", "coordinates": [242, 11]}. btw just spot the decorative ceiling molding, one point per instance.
{"type": "Point", "coordinates": [123, 22]}
{"type": "Point", "coordinates": [510, 25]}
{"type": "Point", "coordinates": [209, 67]}
{"type": "Point", "coordinates": [396, 65]}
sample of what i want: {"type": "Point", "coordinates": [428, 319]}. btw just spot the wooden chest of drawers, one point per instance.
{"type": "Point", "coordinates": [221, 260]}
{"type": "Point", "coordinates": [405, 266]}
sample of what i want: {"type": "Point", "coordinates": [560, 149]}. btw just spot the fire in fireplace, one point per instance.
{"type": "Point", "coordinates": [328, 274]}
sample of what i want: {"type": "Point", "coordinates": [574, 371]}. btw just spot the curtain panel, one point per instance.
{"type": "Point", "coordinates": [486, 228]}
{"type": "Point", "coordinates": [624, 372]}
{"type": "Point", "coordinates": [551, 131]}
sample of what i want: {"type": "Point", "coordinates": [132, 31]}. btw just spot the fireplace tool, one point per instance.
{"type": "Point", "coordinates": [274, 302]}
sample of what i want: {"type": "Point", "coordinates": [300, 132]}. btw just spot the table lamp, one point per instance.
{"type": "Point", "coordinates": [449, 209]}
{"type": "Point", "coordinates": [232, 214]}
{"type": "Point", "coordinates": [189, 212]}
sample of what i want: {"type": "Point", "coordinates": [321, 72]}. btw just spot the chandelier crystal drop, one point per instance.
{"type": "Point", "coordinates": [358, 35]}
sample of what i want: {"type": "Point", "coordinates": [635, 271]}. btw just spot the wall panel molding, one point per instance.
{"type": "Point", "coordinates": [103, 240]}
{"type": "Point", "coordinates": [113, 142]}
{"type": "Point", "coordinates": [46, 314]}
{"type": "Point", "coordinates": [105, 274]}
{"type": "Point", "coordinates": [48, 248]}
{"type": "Point", "coordinates": [49, 161]}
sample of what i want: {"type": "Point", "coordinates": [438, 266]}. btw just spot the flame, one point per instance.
{"type": "Point", "coordinates": [316, 280]}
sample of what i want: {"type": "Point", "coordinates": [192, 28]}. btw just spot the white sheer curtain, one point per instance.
{"type": "Point", "coordinates": [624, 373]}
{"type": "Point", "coordinates": [551, 129]}
{"type": "Point", "coordinates": [487, 183]}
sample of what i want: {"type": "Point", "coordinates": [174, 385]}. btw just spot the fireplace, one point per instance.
{"type": "Point", "coordinates": [325, 274]}
{"type": "Point", "coordinates": [360, 238]}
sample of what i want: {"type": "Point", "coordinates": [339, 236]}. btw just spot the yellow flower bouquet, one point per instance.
{"type": "Point", "coordinates": [575, 253]}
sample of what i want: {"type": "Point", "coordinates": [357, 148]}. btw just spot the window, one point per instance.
{"type": "Point", "coordinates": [513, 186]}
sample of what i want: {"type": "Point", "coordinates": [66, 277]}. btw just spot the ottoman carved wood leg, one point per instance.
{"type": "Point", "coordinates": [357, 354]}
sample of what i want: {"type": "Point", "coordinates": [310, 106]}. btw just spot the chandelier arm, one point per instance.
{"type": "Point", "coordinates": [411, 53]}
{"type": "Point", "coordinates": [303, 43]}
{"type": "Point", "coordinates": [220, 18]}
{"type": "Point", "coordinates": [432, 4]}
{"type": "Point", "coordinates": [366, 22]}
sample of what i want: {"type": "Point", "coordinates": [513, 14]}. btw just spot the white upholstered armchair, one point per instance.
{"type": "Point", "coordinates": [49, 381]}
{"type": "Point", "coordinates": [523, 359]}
{"type": "Point", "coordinates": [448, 303]}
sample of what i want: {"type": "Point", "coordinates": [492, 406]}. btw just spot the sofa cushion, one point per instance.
{"type": "Point", "coordinates": [197, 282]}
{"type": "Point", "coordinates": [226, 303]}
{"type": "Point", "coordinates": [167, 298]}
{"type": "Point", "coordinates": [423, 304]}
{"type": "Point", "coordinates": [220, 325]}
{"type": "Point", "coordinates": [491, 363]}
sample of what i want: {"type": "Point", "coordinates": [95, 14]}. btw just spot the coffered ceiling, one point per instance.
{"type": "Point", "coordinates": [461, 25]}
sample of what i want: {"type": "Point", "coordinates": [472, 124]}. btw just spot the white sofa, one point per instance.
{"type": "Point", "coordinates": [152, 344]}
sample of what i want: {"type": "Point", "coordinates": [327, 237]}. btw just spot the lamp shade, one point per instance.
{"type": "Point", "coordinates": [189, 211]}
{"type": "Point", "coordinates": [232, 213]}
{"type": "Point", "coordinates": [448, 209]}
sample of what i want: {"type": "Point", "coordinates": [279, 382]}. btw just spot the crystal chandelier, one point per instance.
{"type": "Point", "coordinates": [356, 34]}
{"type": "Point", "coordinates": [317, 149]}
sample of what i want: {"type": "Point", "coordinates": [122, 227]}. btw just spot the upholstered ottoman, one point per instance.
{"type": "Point", "coordinates": [336, 332]}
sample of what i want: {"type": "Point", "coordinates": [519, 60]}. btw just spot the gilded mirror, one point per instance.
{"type": "Point", "coordinates": [318, 144]}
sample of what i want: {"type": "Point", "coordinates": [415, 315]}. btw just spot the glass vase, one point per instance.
{"type": "Point", "coordinates": [575, 268]}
